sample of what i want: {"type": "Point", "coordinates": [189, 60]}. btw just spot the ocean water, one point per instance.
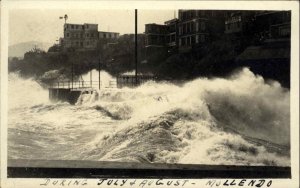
{"type": "Point", "coordinates": [241, 120]}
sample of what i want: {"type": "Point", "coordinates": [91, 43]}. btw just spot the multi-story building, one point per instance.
{"type": "Point", "coordinates": [107, 39]}
{"type": "Point", "coordinates": [239, 22]}
{"type": "Point", "coordinates": [161, 38]}
{"type": "Point", "coordinates": [79, 36]}
{"type": "Point", "coordinates": [254, 27]}
{"type": "Point", "coordinates": [108, 35]}
{"type": "Point", "coordinates": [172, 34]}
{"type": "Point", "coordinates": [155, 35]}
{"type": "Point", "coordinates": [85, 36]}
{"type": "Point", "coordinates": [195, 27]}
{"type": "Point", "coordinates": [273, 24]}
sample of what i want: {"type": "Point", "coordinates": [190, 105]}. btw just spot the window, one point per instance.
{"type": "Point", "coordinates": [284, 31]}
{"type": "Point", "coordinates": [76, 26]}
{"type": "Point", "coordinates": [173, 38]}
{"type": "Point", "coordinates": [202, 38]}
{"type": "Point", "coordinates": [192, 27]}
{"type": "Point", "coordinates": [81, 44]}
{"type": "Point", "coordinates": [228, 26]}
{"type": "Point", "coordinates": [81, 35]}
{"type": "Point", "coordinates": [87, 43]}
{"type": "Point", "coordinates": [188, 28]}
{"type": "Point", "coordinates": [87, 26]}
{"type": "Point", "coordinates": [87, 35]}
{"type": "Point", "coordinates": [188, 42]}
{"type": "Point", "coordinates": [72, 26]}
{"type": "Point", "coordinates": [92, 35]}
{"type": "Point", "coordinates": [68, 34]}
{"type": "Point", "coordinates": [193, 40]}
{"type": "Point", "coordinates": [104, 35]}
{"type": "Point", "coordinates": [180, 30]}
{"type": "Point", "coordinates": [203, 26]}
{"type": "Point", "coordinates": [213, 14]}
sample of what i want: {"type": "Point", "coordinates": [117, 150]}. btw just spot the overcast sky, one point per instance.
{"type": "Point", "coordinates": [45, 25]}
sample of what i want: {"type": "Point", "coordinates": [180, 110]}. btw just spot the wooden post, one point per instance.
{"type": "Point", "coordinates": [91, 79]}
{"type": "Point", "coordinates": [136, 46]}
{"type": "Point", "coordinates": [72, 74]}
{"type": "Point", "coordinates": [99, 74]}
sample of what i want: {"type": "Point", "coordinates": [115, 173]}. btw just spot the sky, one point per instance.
{"type": "Point", "coordinates": [45, 26]}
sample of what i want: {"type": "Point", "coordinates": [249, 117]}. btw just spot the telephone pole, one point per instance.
{"type": "Point", "coordinates": [136, 53]}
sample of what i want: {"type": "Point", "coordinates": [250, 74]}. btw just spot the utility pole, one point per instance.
{"type": "Point", "coordinates": [99, 72]}
{"type": "Point", "coordinates": [91, 82]}
{"type": "Point", "coordinates": [136, 53]}
{"type": "Point", "coordinates": [72, 73]}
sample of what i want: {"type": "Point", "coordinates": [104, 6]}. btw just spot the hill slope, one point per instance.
{"type": "Point", "coordinates": [18, 50]}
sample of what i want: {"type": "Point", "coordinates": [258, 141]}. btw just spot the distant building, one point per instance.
{"type": "Point", "coordinates": [254, 27]}
{"type": "Point", "coordinates": [172, 33]}
{"type": "Point", "coordinates": [158, 36]}
{"type": "Point", "coordinates": [79, 36]}
{"type": "Point", "coordinates": [107, 39]}
{"type": "Point", "coordinates": [273, 24]}
{"type": "Point", "coordinates": [85, 37]}
{"type": "Point", "coordinates": [239, 22]}
{"type": "Point", "coordinates": [155, 35]}
{"type": "Point", "coordinates": [108, 35]}
{"type": "Point", "coordinates": [196, 27]}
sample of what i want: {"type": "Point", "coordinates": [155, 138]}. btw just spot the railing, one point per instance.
{"type": "Point", "coordinates": [76, 84]}
{"type": "Point", "coordinates": [130, 80]}
{"type": "Point", "coordinates": [83, 84]}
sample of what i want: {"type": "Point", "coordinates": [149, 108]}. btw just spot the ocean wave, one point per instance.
{"type": "Point", "coordinates": [239, 120]}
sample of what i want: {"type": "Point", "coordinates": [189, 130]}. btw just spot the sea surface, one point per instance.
{"type": "Point", "coordinates": [241, 120]}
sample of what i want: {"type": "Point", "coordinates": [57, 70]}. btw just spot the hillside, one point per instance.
{"type": "Point", "coordinates": [18, 50]}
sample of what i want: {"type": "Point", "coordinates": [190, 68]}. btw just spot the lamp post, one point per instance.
{"type": "Point", "coordinates": [99, 66]}
{"type": "Point", "coordinates": [136, 53]}
{"type": "Point", "coordinates": [72, 74]}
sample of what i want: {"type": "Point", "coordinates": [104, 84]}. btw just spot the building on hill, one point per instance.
{"type": "Point", "coordinates": [155, 35]}
{"type": "Point", "coordinates": [273, 24]}
{"type": "Point", "coordinates": [85, 36]}
{"type": "Point", "coordinates": [239, 22]}
{"type": "Point", "coordinates": [197, 27]}
{"type": "Point", "coordinates": [161, 38]}
{"type": "Point", "coordinates": [172, 33]}
{"type": "Point", "coordinates": [78, 36]}
{"type": "Point", "coordinates": [254, 27]}
{"type": "Point", "coordinates": [106, 39]}
{"type": "Point", "coordinates": [108, 35]}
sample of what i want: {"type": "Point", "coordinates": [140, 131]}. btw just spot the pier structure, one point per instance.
{"type": "Point", "coordinates": [69, 91]}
